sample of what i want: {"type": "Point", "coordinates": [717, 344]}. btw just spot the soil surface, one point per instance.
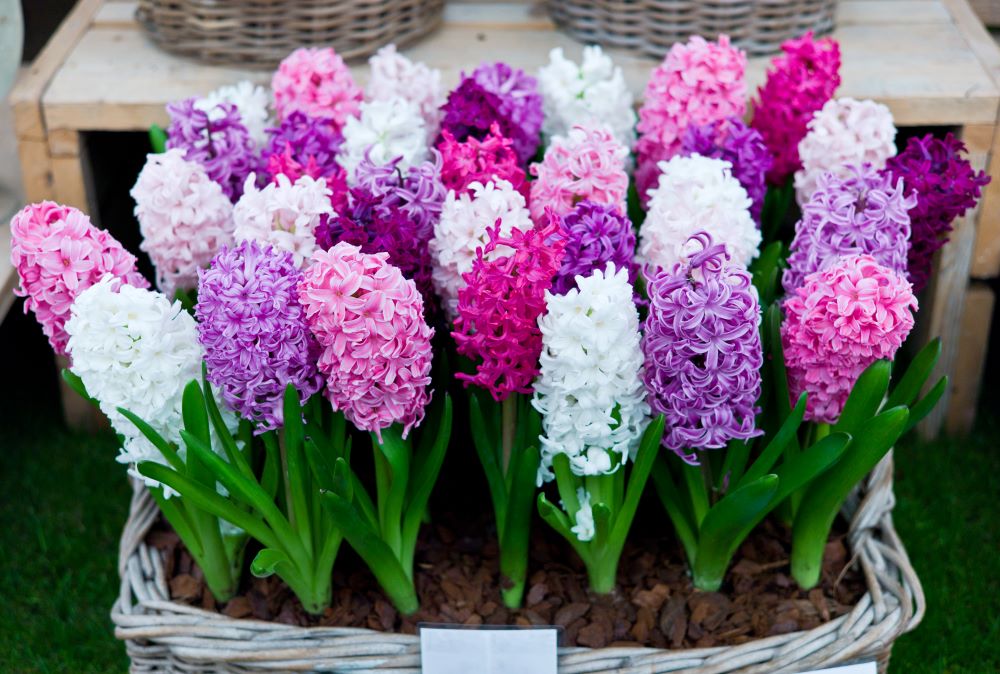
{"type": "Point", "coordinates": [654, 605]}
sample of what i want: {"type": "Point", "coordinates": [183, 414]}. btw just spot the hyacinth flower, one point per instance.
{"type": "Point", "coordinates": [799, 83]}
{"type": "Point", "coordinates": [842, 329]}
{"type": "Point", "coordinates": [588, 164]}
{"type": "Point", "coordinates": [475, 160]}
{"type": "Point", "coordinates": [137, 356]}
{"type": "Point", "coordinates": [594, 418]}
{"type": "Point", "coordinates": [395, 76]}
{"type": "Point", "coordinates": [376, 359]}
{"type": "Point", "coordinates": [595, 235]}
{"type": "Point", "coordinates": [382, 132]}
{"type": "Point", "coordinates": [497, 327]}
{"type": "Point", "coordinates": [698, 82]}
{"type": "Point", "coordinates": [302, 145]}
{"type": "Point", "coordinates": [946, 186]}
{"type": "Point", "coordinates": [184, 218]}
{"type": "Point", "coordinates": [317, 83]}
{"type": "Point", "coordinates": [58, 253]}
{"type": "Point", "coordinates": [252, 102]}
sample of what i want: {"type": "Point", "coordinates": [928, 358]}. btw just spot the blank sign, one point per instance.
{"type": "Point", "coordinates": [451, 650]}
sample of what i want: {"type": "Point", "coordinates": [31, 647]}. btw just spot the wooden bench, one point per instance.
{"type": "Point", "coordinates": [930, 61]}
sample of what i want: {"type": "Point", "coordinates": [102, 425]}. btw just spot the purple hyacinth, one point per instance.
{"type": "Point", "coordinates": [305, 139]}
{"type": "Point", "coordinates": [862, 213]}
{"type": "Point", "coordinates": [217, 140]}
{"type": "Point", "coordinates": [732, 140]}
{"type": "Point", "coordinates": [595, 235]}
{"type": "Point", "coordinates": [254, 331]}
{"type": "Point", "coordinates": [471, 110]}
{"type": "Point", "coordinates": [520, 100]}
{"type": "Point", "coordinates": [703, 352]}
{"type": "Point", "coordinates": [419, 193]}
{"type": "Point", "coordinates": [376, 225]}
{"type": "Point", "coordinates": [946, 186]}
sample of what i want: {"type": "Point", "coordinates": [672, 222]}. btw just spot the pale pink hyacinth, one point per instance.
{"type": "Point", "coordinates": [58, 254]}
{"type": "Point", "coordinates": [395, 76]}
{"type": "Point", "coordinates": [318, 83]}
{"type": "Point", "coordinates": [283, 214]}
{"type": "Point", "coordinates": [844, 132]}
{"type": "Point", "coordinates": [184, 218]}
{"type": "Point", "coordinates": [463, 228]}
{"type": "Point", "coordinates": [369, 321]}
{"type": "Point", "coordinates": [698, 82]}
{"type": "Point", "coordinates": [588, 164]}
{"type": "Point", "coordinates": [838, 322]}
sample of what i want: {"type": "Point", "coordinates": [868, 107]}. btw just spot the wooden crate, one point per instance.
{"type": "Point", "coordinates": [930, 61]}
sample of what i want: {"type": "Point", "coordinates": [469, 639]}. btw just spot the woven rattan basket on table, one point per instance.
{"type": "Point", "coordinates": [652, 26]}
{"type": "Point", "coordinates": [262, 32]}
{"type": "Point", "coordinates": [163, 636]}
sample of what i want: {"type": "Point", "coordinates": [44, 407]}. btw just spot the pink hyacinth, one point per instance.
{"type": "Point", "coordinates": [839, 321]}
{"type": "Point", "coordinates": [698, 82]}
{"type": "Point", "coordinates": [586, 165]}
{"type": "Point", "coordinates": [58, 254]}
{"type": "Point", "coordinates": [480, 161]}
{"type": "Point", "coordinates": [369, 321]}
{"type": "Point", "coordinates": [318, 83]}
{"type": "Point", "coordinates": [499, 306]}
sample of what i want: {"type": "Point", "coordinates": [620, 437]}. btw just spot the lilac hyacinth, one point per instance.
{"type": "Point", "coordinates": [418, 191]}
{"type": "Point", "coordinates": [254, 331]}
{"type": "Point", "coordinates": [595, 235]}
{"type": "Point", "coordinates": [307, 141]}
{"type": "Point", "coordinates": [216, 139]}
{"type": "Point", "coordinates": [862, 213]}
{"type": "Point", "coordinates": [520, 100]}
{"type": "Point", "coordinates": [703, 351]}
{"type": "Point", "coordinates": [471, 111]}
{"type": "Point", "coordinates": [732, 140]}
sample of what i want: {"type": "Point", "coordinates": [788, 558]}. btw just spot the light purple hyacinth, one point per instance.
{"type": "Point", "coordinates": [254, 331]}
{"type": "Point", "coordinates": [732, 140]}
{"type": "Point", "coordinates": [595, 235]}
{"type": "Point", "coordinates": [862, 213]}
{"type": "Point", "coordinates": [216, 139]}
{"type": "Point", "coordinates": [518, 92]}
{"type": "Point", "coordinates": [419, 193]}
{"type": "Point", "coordinates": [305, 139]}
{"type": "Point", "coordinates": [703, 351]}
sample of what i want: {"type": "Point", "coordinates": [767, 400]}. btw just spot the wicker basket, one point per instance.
{"type": "Point", "coordinates": [260, 33]}
{"type": "Point", "coordinates": [163, 636]}
{"type": "Point", "coordinates": [652, 26]}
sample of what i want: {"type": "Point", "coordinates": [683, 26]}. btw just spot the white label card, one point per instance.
{"type": "Point", "coordinates": [861, 668]}
{"type": "Point", "coordinates": [457, 650]}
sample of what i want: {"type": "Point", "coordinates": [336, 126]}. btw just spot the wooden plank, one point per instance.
{"type": "Point", "coordinates": [26, 95]}
{"type": "Point", "coordinates": [73, 183]}
{"type": "Point", "coordinates": [975, 339]}
{"type": "Point", "coordinates": [888, 11]}
{"type": "Point", "coordinates": [36, 170]}
{"type": "Point", "coordinates": [8, 276]}
{"type": "Point", "coordinates": [988, 11]}
{"type": "Point", "coordinates": [986, 259]}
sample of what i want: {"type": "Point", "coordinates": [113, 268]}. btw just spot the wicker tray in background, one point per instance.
{"type": "Point", "coordinates": [164, 636]}
{"type": "Point", "coordinates": [259, 33]}
{"type": "Point", "coordinates": [653, 26]}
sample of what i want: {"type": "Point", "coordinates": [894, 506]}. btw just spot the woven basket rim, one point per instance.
{"type": "Point", "coordinates": [161, 633]}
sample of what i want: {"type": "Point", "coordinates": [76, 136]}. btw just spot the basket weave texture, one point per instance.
{"type": "Point", "coordinates": [259, 33]}
{"type": "Point", "coordinates": [653, 26]}
{"type": "Point", "coordinates": [163, 636]}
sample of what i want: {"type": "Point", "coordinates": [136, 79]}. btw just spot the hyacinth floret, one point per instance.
{"type": "Point", "coordinates": [382, 132]}
{"type": "Point", "coordinates": [316, 82]}
{"type": "Point", "coordinates": [477, 160]}
{"type": "Point", "coordinates": [596, 235]}
{"type": "Point", "coordinates": [395, 76]}
{"type": "Point", "coordinates": [471, 111]}
{"type": "Point", "coordinates": [252, 102]}
{"type": "Point", "coordinates": [417, 190]}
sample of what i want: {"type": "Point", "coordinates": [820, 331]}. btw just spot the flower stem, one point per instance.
{"type": "Point", "coordinates": [508, 428]}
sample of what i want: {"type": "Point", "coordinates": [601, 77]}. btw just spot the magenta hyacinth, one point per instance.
{"type": "Point", "coordinates": [219, 142]}
{"type": "Point", "coordinates": [499, 306]}
{"type": "Point", "coordinates": [477, 160]}
{"type": "Point", "coordinates": [376, 345]}
{"type": "Point", "coordinates": [58, 254]}
{"type": "Point", "coordinates": [862, 213]}
{"type": "Point", "coordinates": [946, 186]}
{"type": "Point", "coordinates": [703, 351]}
{"type": "Point", "coordinates": [799, 83]}
{"type": "Point", "coordinates": [595, 234]}
{"type": "Point", "coordinates": [520, 100]}
{"type": "Point", "coordinates": [839, 321]}
{"type": "Point", "coordinates": [254, 331]}
{"type": "Point", "coordinates": [732, 140]}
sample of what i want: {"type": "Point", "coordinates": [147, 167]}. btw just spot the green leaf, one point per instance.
{"type": "Point", "coordinates": [557, 519]}
{"type": "Point", "coordinates": [426, 470]}
{"type": "Point", "coordinates": [175, 510]}
{"type": "Point", "coordinates": [486, 450]}
{"type": "Point", "coordinates": [298, 473]}
{"type": "Point", "coordinates": [802, 469]}
{"type": "Point", "coordinates": [167, 449]}
{"type": "Point", "coordinates": [514, 532]}
{"type": "Point", "coordinates": [764, 270]}
{"type": "Point", "coordinates": [271, 474]}
{"type": "Point", "coordinates": [908, 388]}
{"type": "Point", "coordinates": [158, 139]}
{"type": "Point", "coordinates": [679, 515]}
{"type": "Point", "coordinates": [321, 468]}
{"type": "Point", "coordinates": [75, 383]}
{"type": "Point", "coordinates": [782, 398]}
{"type": "Point", "coordinates": [233, 452]}
{"type": "Point", "coordinates": [194, 413]}
{"type": "Point", "coordinates": [645, 457]}
{"type": "Point", "coordinates": [927, 403]}
{"type": "Point", "coordinates": [267, 561]}
{"type": "Point", "coordinates": [776, 448]}
{"type": "Point", "coordinates": [866, 397]}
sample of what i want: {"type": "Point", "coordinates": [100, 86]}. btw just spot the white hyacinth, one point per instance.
{"type": "Point", "coordinates": [252, 101]}
{"type": "Point", "coordinates": [385, 130]}
{"type": "Point", "coordinates": [134, 349]}
{"type": "Point", "coordinates": [589, 391]}
{"type": "Point", "coordinates": [697, 194]}
{"type": "Point", "coordinates": [593, 91]}
{"type": "Point", "coordinates": [584, 526]}
{"type": "Point", "coordinates": [462, 228]}
{"type": "Point", "coordinates": [283, 214]}
{"type": "Point", "coordinates": [844, 132]}
{"type": "Point", "coordinates": [184, 218]}
{"type": "Point", "coordinates": [395, 76]}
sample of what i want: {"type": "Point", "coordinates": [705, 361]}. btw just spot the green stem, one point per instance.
{"type": "Point", "coordinates": [214, 562]}
{"type": "Point", "coordinates": [602, 574]}
{"type": "Point", "coordinates": [509, 428]}
{"type": "Point", "coordinates": [289, 508]}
